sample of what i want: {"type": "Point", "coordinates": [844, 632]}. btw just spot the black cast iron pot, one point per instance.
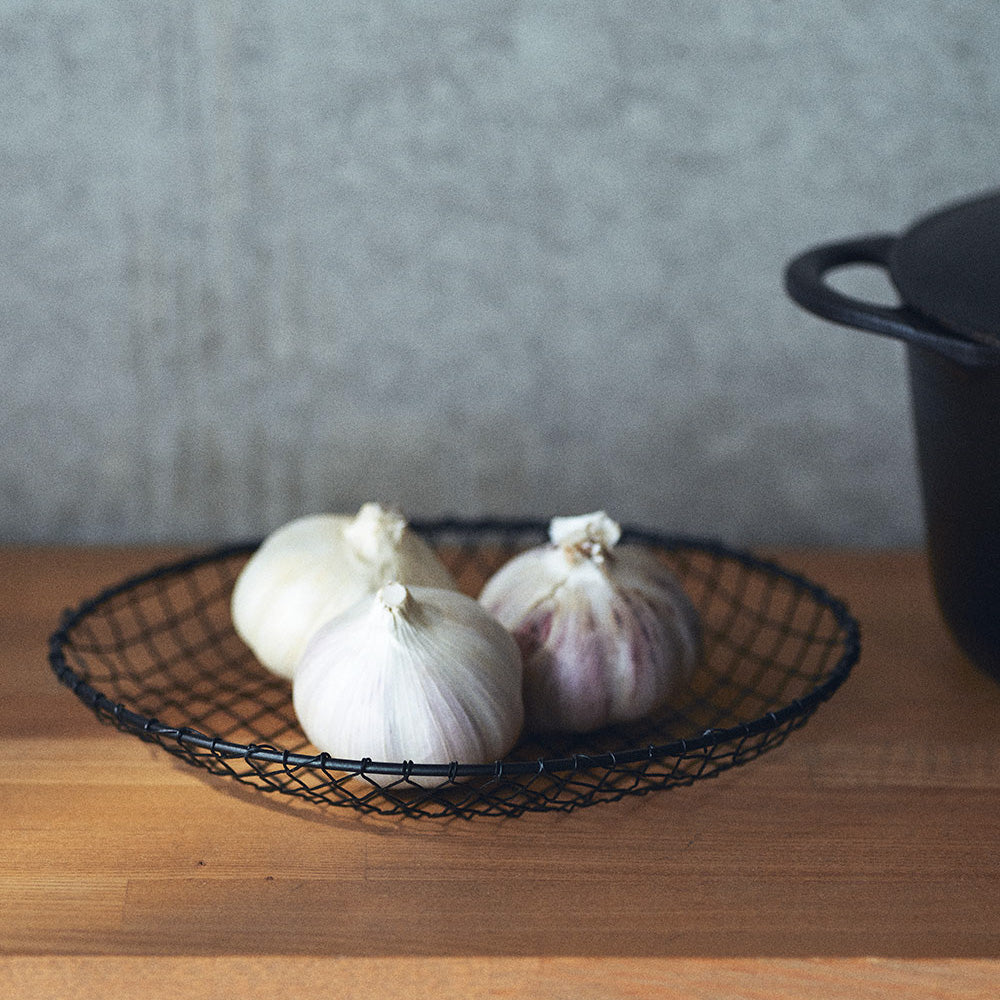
{"type": "Point", "coordinates": [946, 269]}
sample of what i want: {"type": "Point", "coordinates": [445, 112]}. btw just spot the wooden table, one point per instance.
{"type": "Point", "coordinates": [859, 859]}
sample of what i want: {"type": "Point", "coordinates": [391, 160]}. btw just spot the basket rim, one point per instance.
{"type": "Point", "coordinates": [849, 639]}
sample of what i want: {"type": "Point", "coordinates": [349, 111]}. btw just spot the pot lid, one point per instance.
{"type": "Point", "coordinates": [947, 267]}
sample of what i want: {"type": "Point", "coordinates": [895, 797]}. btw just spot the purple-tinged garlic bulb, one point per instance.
{"type": "Point", "coordinates": [414, 673]}
{"type": "Point", "coordinates": [607, 634]}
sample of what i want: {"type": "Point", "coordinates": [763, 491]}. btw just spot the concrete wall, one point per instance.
{"type": "Point", "coordinates": [261, 259]}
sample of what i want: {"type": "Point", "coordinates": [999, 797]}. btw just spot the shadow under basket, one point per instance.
{"type": "Point", "coordinates": [157, 657]}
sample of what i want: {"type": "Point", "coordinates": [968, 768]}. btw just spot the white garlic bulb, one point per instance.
{"type": "Point", "coordinates": [313, 568]}
{"type": "Point", "coordinates": [606, 632]}
{"type": "Point", "coordinates": [413, 673]}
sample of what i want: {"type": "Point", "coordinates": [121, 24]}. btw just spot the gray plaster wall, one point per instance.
{"type": "Point", "coordinates": [263, 259]}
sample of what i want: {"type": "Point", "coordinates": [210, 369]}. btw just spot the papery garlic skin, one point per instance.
{"type": "Point", "coordinates": [412, 674]}
{"type": "Point", "coordinates": [312, 568]}
{"type": "Point", "coordinates": [606, 632]}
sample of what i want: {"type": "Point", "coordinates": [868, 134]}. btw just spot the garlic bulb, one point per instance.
{"type": "Point", "coordinates": [606, 631]}
{"type": "Point", "coordinates": [312, 568]}
{"type": "Point", "coordinates": [413, 673]}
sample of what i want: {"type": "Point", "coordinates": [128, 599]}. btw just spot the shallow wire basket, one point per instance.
{"type": "Point", "coordinates": [157, 657]}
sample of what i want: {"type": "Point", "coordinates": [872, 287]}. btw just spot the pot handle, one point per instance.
{"type": "Point", "coordinates": [806, 285]}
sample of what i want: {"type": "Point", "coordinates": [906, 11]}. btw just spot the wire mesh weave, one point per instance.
{"type": "Point", "coordinates": [157, 657]}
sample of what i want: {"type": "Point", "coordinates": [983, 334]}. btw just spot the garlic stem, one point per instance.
{"type": "Point", "coordinates": [590, 535]}
{"type": "Point", "coordinates": [372, 529]}
{"type": "Point", "coordinates": [394, 597]}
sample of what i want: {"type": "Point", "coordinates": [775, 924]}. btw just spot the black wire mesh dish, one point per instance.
{"type": "Point", "coordinates": [157, 657]}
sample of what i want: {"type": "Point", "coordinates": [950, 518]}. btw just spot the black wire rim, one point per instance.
{"type": "Point", "coordinates": [156, 657]}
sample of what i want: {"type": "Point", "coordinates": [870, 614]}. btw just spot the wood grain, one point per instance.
{"type": "Point", "coordinates": [263, 978]}
{"type": "Point", "coordinates": [860, 855]}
